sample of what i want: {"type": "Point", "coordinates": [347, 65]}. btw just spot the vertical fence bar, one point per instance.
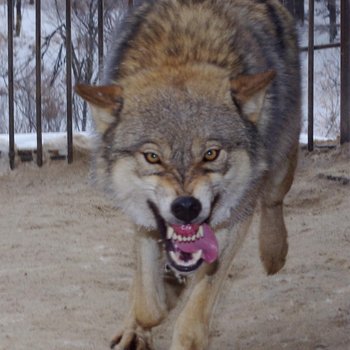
{"type": "Point", "coordinates": [345, 72]}
{"type": "Point", "coordinates": [11, 82]}
{"type": "Point", "coordinates": [39, 141]}
{"type": "Point", "coordinates": [100, 36]}
{"type": "Point", "coordinates": [69, 81]}
{"type": "Point", "coordinates": [311, 52]}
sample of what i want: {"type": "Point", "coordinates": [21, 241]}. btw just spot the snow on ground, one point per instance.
{"type": "Point", "coordinates": [52, 142]}
{"type": "Point", "coordinates": [58, 140]}
{"type": "Point", "coordinates": [29, 141]}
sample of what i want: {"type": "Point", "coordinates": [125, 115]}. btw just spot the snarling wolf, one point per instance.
{"type": "Point", "coordinates": [198, 120]}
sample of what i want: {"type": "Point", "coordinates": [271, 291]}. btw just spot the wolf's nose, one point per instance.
{"type": "Point", "coordinates": [186, 208]}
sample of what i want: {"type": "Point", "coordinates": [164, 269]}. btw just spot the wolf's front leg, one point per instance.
{"type": "Point", "coordinates": [192, 326]}
{"type": "Point", "coordinates": [148, 303]}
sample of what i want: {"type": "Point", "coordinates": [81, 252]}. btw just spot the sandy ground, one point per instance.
{"type": "Point", "coordinates": [66, 265]}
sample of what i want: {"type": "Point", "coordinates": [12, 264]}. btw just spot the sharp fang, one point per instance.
{"type": "Point", "coordinates": [200, 231]}
{"type": "Point", "coordinates": [175, 258]}
{"type": "Point", "coordinates": [179, 238]}
{"type": "Point", "coordinates": [175, 237]}
{"type": "Point", "coordinates": [193, 238]}
{"type": "Point", "coordinates": [197, 255]}
{"type": "Point", "coordinates": [169, 233]}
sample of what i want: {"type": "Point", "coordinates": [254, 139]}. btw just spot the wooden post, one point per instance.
{"type": "Point", "coordinates": [345, 73]}
{"type": "Point", "coordinates": [310, 88]}
{"type": "Point", "coordinates": [39, 141]}
{"type": "Point", "coordinates": [11, 83]}
{"type": "Point", "coordinates": [18, 17]}
{"type": "Point", "coordinates": [100, 26]}
{"type": "Point", "coordinates": [69, 96]}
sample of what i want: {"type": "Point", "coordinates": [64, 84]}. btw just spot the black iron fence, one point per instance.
{"type": "Point", "coordinates": [344, 71]}
{"type": "Point", "coordinates": [344, 90]}
{"type": "Point", "coordinates": [68, 45]}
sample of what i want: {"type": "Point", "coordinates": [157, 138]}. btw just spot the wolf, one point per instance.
{"type": "Point", "coordinates": [198, 119]}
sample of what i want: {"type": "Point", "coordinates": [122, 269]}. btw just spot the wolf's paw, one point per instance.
{"type": "Point", "coordinates": [272, 264]}
{"type": "Point", "coordinates": [131, 340]}
{"type": "Point", "coordinates": [273, 256]}
{"type": "Point", "coordinates": [273, 248]}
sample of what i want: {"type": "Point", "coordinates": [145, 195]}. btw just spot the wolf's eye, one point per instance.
{"type": "Point", "coordinates": [211, 155]}
{"type": "Point", "coordinates": [152, 157]}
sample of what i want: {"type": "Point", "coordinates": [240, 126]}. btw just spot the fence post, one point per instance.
{"type": "Point", "coordinates": [311, 49]}
{"type": "Point", "coordinates": [100, 36]}
{"type": "Point", "coordinates": [10, 82]}
{"type": "Point", "coordinates": [345, 72]}
{"type": "Point", "coordinates": [69, 81]}
{"type": "Point", "coordinates": [39, 141]}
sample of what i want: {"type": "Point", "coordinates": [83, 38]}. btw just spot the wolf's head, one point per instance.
{"type": "Point", "coordinates": [181, 156]}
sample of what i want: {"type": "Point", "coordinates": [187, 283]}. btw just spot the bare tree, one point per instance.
{"type": "Point", "coordinates": [84, 46]}
{"type": "Point", "coordinates": [329, 85]}
{"type": "Point", "coordinates": [18, 4]}
{"type": "Point", "coordinates": [329, 11]}
{"type": "Point", "coordinates": [296, 8]}
{"type": "Point", "coordinates": [25, 101]}
{"type": "Point", "coordinates": [3, 107]}
{"type": "Point", "coordinates": [331, 6]}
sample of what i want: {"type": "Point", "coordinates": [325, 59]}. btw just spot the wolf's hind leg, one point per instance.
{"type": "Point", "coordinates": [148, 302]}
{"type": "Point", "coordinates": [273, 233]}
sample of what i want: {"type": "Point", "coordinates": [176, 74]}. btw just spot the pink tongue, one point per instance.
{"type": "Point", "coordinates": [208, 244]}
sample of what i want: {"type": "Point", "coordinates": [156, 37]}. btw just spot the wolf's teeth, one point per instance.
{"type": "Point", "coordinates": [197, 255]}
{"type": "Point", "coordinates": [179, 238]}
{"type": "Point", "coordinates": [175, 258]}
{"type": "Point", "coordinates": [175, 237]}
{"type": "Point", "coordinates": [200, 231]}
{"type": "Point", "coordinates": [194, 259]}
{"type": "Point", "coordinates": [169, 233]}
{"type": "Point", "coordinates": [193, 238]}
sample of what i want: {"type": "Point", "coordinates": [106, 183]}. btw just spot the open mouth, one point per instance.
{"type": "Point", "coordinates": [188, 246]}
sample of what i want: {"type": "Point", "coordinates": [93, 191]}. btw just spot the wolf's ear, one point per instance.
{"type": "Point", "coordinates": [105, 101]}
{"type": "Point", "coordinates": [248, 93]}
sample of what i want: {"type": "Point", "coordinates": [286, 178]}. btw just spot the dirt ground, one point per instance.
{"type": "Point", "coordinates": [66, 265]}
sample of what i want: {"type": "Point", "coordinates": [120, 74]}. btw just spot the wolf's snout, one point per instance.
{"type": "Point", "coordinates": [186, 208]}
